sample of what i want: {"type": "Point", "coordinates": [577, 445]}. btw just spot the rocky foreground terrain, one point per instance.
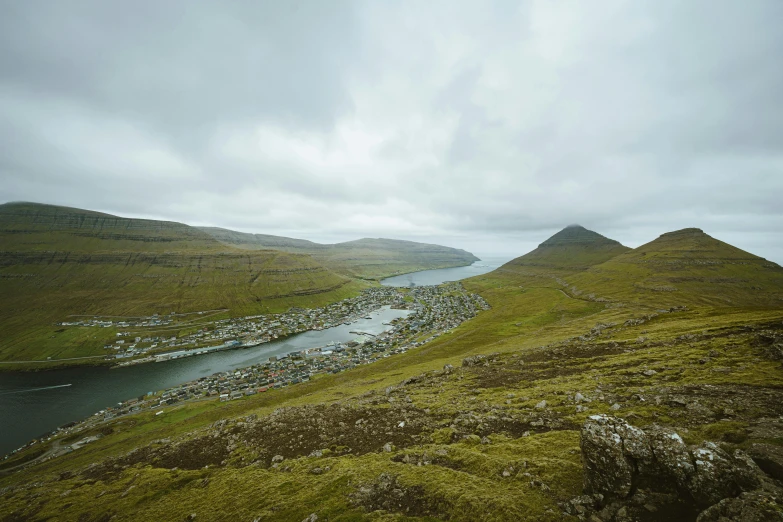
{"type": "Point", "coordinates": [588, 428]}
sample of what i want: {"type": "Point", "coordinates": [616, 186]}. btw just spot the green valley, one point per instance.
{"type": "Point", "coordinates": [58, 263]}
{"type": "Point", "coordinates": [683, 334]}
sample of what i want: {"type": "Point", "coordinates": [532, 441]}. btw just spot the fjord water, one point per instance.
{"type": "Point", "coordinates": [34, 403]}
{"type": "Point", "coordinates": [442, 275]}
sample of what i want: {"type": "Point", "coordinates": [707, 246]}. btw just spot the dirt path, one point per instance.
{"type": "Point", "coordinates": [55, 447]}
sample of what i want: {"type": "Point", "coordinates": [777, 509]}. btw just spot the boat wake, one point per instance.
{"type": "Point", "coordinates": [36, 389]}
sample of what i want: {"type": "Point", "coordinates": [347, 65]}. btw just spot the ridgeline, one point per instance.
{"type": "Point", "coordinates": [59, 263]}
{"type": "Point", "coordinates": [673, 349]}
{"type": "Point", "coordinates": [364, 258]}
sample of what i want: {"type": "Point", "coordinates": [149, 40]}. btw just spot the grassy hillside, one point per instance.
{"type": "Point", "coordinates": [262, 241]}
{"type": "Point", "coordinates": [493, 438]}
{"type": "Point", "coordinates": [58, 262]}
{"type": "Point", "coordinates": [686, 267]}
{"type": "Point", "coordinates": [363, 258]}
{"type": "Point", "coordinates": [573, 248]}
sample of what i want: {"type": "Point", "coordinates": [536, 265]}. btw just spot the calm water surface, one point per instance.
{"type": "Point", "coordinates": [441, 275]}
{"type": "Point", "coordinates": [31, 404]}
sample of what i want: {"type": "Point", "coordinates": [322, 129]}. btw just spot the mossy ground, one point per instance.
{"type": "Point", "coordinates": [477, 443]}
{"type": "Point", "coordinates": [423, 436]}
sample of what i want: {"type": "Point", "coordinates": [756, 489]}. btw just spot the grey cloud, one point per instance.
{"type": "Point", "coordinates": [180, 65]}
{"type": "Point", "coordinates": [480, 125]}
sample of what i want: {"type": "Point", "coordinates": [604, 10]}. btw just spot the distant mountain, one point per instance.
{"type": "Point", "coordinates": [59, 261]}
{"type": "Point", "coordinates": [34, 226]}
{"type": "Point", "coordinates": [685, 267]}
{"type": "Point", "coordinates": [260, 241]}
{"type": "Point", "coordinates": [365, 258]}
{"type": "Point", "coordinates": [68, 261]}
{"type": "Point", "coordinates": [573, 248]}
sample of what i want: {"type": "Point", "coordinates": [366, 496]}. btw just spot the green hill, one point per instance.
{"type": "Point", "coordinates": [363, 258]}
{"type": "Point", "coordinates": [262, 241]}
{"type": "Point", "coordinates": [573, 248]}
{"type": "Point", "coordinates": [37, 227]}
{"type": "Point", "coordinates": [686, 267]}
{"type": "Point", "coordinates": [58, 262]}
{"type": "Point", "coordinates": [482, 422]}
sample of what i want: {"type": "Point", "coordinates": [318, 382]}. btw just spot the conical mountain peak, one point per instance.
{"type": "Point", "coordinates": [577, 235]}
{"type": "Point", "coordinates": [685, 232]}
{"type": "Point", "coordinates": [693, 244]}
{"type": "Point", "coordinates": [573, 248]}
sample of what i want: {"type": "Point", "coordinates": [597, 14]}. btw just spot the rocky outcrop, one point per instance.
{"type": "Point", "coordinates": [769, 458]}
{"type": "Point", "coordinates": [621, 460]}
{"type": "Point", "coordinates": [748, 507]}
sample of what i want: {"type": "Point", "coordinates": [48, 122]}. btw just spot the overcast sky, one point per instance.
{"type": "Point", "coordinates": [480, 125]}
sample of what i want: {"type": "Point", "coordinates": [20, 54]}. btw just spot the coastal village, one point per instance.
{"type": "Point", "coordinates": [134, 346]}
{"type": "Point", "coordinates": [434, 311]}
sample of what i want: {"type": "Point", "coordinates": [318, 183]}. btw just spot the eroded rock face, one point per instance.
{"type": "Point", "coordinates": [719, 475]}
{"type": "Point", "coordinates": [671, 461]}
{"type": "Point", "coordinates": [748, 507]}
{"type": "Point", "coordinates": [619, 458]}
{"type": "Point", "coordinates": [769, 458]}
{"type": "Point", "coordinates": [608, 468]}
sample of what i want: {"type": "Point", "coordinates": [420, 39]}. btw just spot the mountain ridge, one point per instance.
{"type": "Point", "coordinates": [366, 258]}
{"type": "Point", "coordinates": [66, 260]}
{"type": "Point", "coordinates": [485, 420]}
{"type": "Point", "coordinates": [684, 267]}
{"type": "Point", "coordinates": [572, 248]}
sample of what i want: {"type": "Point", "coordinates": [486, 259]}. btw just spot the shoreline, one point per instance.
{"type": "Point", "coordinates": [425, 270]}
{"type": "Point", "coordinates": [93, 361]}
{"type": "Point", "coordinates": [285, 370]}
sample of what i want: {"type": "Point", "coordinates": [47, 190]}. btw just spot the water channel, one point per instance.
{"type": "Point", "coordinates": [441, 275]}
{"type": "Point", "coordinates": [34, 403]}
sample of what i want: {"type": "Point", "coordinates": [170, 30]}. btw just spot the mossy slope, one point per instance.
{"type": "Point", "coordinates": [573, 248]}
{"type": "Point", "coordinates": [686, 267]}
{"type": "Point", "coordinates": [494, 437]}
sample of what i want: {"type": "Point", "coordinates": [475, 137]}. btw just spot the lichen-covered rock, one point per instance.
{"type": "Point", "coordinates": [620, 458]}
{"type": "Point", "coordinates": [719, 475]}
{"type": "Point", "coordinates": [474, 360]}
{"type": "Point", "coordinates": [607, 469]}
{"type": "Point", "coordinates": [748, 507]}
{"type": "Point", "coordinates": [671, 456]}
{"type": "Point", "coordinates": [636, 444]}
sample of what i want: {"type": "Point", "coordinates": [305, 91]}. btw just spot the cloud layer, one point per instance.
{"type": "Point", "coordinates": [486, 126]}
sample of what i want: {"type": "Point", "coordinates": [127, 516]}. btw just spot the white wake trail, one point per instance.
{"type": "Point", "coordinates": [37, 389]}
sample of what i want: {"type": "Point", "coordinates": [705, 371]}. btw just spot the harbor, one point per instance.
{"type": "Point", "coordinates": [228, 372]}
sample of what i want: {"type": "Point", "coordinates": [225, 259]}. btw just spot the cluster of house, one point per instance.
{"type": "Point", "coordinates": [102, 322]}
{"type": "Point", "coordinates": [435, 311]}
{"type": "Point", "coordinates": [243, 331]}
